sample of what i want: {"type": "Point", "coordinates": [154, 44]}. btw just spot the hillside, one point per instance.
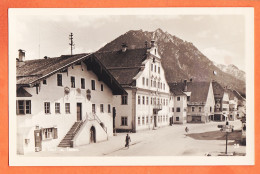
{"type": "Point", "coordinates": [180, 59]}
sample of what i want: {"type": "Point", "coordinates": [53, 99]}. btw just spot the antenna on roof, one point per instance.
{"type": "Point", "coordinates": [71, 42]}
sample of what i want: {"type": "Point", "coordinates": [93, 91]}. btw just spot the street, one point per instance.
{"type": "Point", "coordinates": [165, 141]}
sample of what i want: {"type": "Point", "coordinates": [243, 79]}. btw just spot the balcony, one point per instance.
{"type": "Point", "coordinates": [157, 107]}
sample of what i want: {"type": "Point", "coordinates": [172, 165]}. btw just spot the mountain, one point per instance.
{"type": "Point", "coordinates": [180, 59]}
{"type": "Point", "coordinates": [232, 70]}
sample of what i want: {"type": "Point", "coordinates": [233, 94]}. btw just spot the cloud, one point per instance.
{"type": "Point", "coordinates": [204, 34]}
{"type": "Point", "coordinates": [219, 56]}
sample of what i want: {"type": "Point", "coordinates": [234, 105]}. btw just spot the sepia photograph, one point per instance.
{"type": "Point", "coordinates": [167, 86]}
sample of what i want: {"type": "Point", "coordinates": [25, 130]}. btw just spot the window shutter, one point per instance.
{"type": "Point", "coordinates": [55, 133]}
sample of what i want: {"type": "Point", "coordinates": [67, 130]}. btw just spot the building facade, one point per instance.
{"type": "Point", "coordinates": [63, 102]}
{"type": "Point", "coordinates": [141, 74]}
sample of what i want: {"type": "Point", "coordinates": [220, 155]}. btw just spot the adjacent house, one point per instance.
{"type": "Point", "coordinates": [64, 101]}
{"type": "Point", "coordinates": [179, 108]}
{"type": "Point", "coordinates": [140, 73]}
{"type": "Point", "coordinates": [233, 102]}
{"type": "Point", "coordinates": [221, 96]}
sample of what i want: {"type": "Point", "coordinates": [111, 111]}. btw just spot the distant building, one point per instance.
{"type": "Point", "coordinates": [141, 74]}
{"type": "Point", "coordinates": [221, 109]}
{"type": "Point", "coordinates": [233, 102]}
{"type": "Point", "coordinates": [199, 98]}
{"type": "Point", "coordinates": [64, 101]}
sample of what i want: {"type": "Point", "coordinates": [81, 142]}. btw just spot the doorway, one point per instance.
{"type": "Point", "coordinates": [79, 111]}
{"type": "Point", "coordinates": [92, 135]}
{"type": "Point", "coordinates": [38, 140]}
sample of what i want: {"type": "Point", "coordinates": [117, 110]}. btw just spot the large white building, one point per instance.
{"type": "Point", "coordinates": [141, 74]}
{"type": "Point", "coordinates": [65, 101]}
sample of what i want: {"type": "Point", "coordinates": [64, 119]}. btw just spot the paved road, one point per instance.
{"type": "Point", "coordinates": [166, 141]}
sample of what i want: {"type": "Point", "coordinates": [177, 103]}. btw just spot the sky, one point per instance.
{"type": "Point", "coordinates": [220, 37]}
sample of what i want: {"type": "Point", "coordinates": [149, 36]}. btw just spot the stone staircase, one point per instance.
{"type": "Point", "coordinates": [66, 141]}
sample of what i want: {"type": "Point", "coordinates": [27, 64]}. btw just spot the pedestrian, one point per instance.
{"type": "Point", "coordinates": [187, 129]}
{"type": "Point", "coordinates": [127, 140]}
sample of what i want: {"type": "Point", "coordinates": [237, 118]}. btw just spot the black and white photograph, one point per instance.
{"type": "Point", "coordinates": [167, 86]}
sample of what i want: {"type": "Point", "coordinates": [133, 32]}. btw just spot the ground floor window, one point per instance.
{"type": "Point", "coordinates": [49, 133]}
{"type": "Point", "coordinates": [177, 118]}
{"type": "Point", "coordinates": [147, 120]}
{"type": "Point", "coordinates": [123, 121]}
{"type": "Point", "coordinates": [151, 119]}
{"type": "Point", "coordinates": [142, 120]}
{"type": "Point", "coordinates": [139, 121]}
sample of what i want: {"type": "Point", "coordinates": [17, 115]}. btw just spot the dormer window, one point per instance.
{"type": "Point", "coordinates": [44, 82]}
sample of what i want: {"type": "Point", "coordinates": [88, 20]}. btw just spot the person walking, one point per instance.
{"type": "Point", "coordinates": [127, 140]}
{"type": "Point", "coordinates": [186, 130]}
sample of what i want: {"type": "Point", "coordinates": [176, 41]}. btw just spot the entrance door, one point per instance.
{"type": "Point", "coordinates": [38, 140]}
{"type": "Point", "coordinates": [79, 112]}
{"type": "Point", "coordinates": [92, 135]}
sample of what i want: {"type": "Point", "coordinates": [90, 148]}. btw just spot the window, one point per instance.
{"type": "Point", "coordinates": [188, 98]}
{"type": "Point", "coordinates": [101, 108]}
{"type": "Point", "coordinates": [147, 100]}
{"type": "Point", "coordinates": [151, 67]}
{"type": "Point", "coordinates": [151, 119]}
{"type": "Point", "coordinates": [178, 98]}
{"type": "Point", "coordinates": [151, 83]}
{"type": "Point", "coordinates": [163, 102]}
{"type": "Point", "coordinates": [123, 121]}
{"type": "Point", "coordinates": [210, 109]}
{"type": "Point", "coordinates": [47, 108]}
{"type": "Point", "coordinates": [147, 120]}
{"type": "Point", "coordinates": [177, 118]}
{"type": "Point", "coordinates": [44, 82]}
{"type": "Point", "coordinates": [57, 108]}
{"type": "Point", "coordinates": [199, 109]}
{"type": "Point", "coordinates": [108, 108]}
{"type": "Point", "coordinates": [159, 70]}
{"type": "Point", "coordinates": [139, 121]}
{"type": "Point", "coordinates": [49, 133]}
{"type": "Point", "coordinates": [154, 84]}
{"type": "Point", "coordinates": [158, 86]}
{"type": "Point", "coordinates": [139, 99]}
{"type": "Point", "coordinates": [192, 109]}
{"type": "Point", "coordinates": [178, 109]}
{"type": "Point", "coordinates": [23, 107]}
{"type": "Point", "coordinates": [143, 81]}
{"type": "Point", "coordinates": [93, 85]}
{"type": "Point", "coordinates": [124, 99]}
{"type": "Point", "coordinates": [163, 86]}
{"type": "Point", "coordinates": [82, 83]}
{"type": "Point", "coordinates": [154, 68]}
{"type": "Point", "coordinates": [143, 100]}
{"type": "Point", "coordinates": [166, 102]}
{"type": "Point", "coordinates": [146, 82]}
{"type": "Point", "coordinates": [142, 120]}
{"type": "Point", "coordinates": [72, 80]}
{"type": "Point", "coordinates": [67, 108]}
{"type": "Point", "coordinates": [102, 87]}
{"type": "Point", "coordinates": [93, 108]}
{"type": "Point", "coordinates": [173, 109]}
{"type": "Point", "coordinates": [59, 79]}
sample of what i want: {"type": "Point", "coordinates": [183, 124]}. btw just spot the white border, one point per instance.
{"type": "Point", "coordinates": [17, 160]}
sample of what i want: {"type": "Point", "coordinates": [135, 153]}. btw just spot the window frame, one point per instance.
{"type": "Point", "coordinates": [57, 104]}
{"type": "Point", "coordinates": [72, 81]}
{"type": "Point", "coordinates": [178, 109]}
{"type": "Point", "coordinates": [47, 107]}
{"type": "Point", "coordinates": [59, 79]}
{"type": "Point", "coordinates": [101, 108]}
{"type": "Point", "coordinates": [124, 100]}
{"type": "Point", "coordinates": [67, 108]}
{"type": "Point", "coordinates": [83, 83]}
{"type": "Point", "coordinates": [93, 85]}
{"type": "Point", "coordinates": [124, 121]}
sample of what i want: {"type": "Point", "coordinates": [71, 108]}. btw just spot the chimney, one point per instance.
{"type": "Point", "coordinates": [152, 43]}
{"type": "Point", "coordinates": [190, 79]}
{"type": "Point", "coordinates": [124, 47]}
{"type": "Point", "coordinates": [185, 85]}
{"type": "Point", "coordinates": [21, 55]}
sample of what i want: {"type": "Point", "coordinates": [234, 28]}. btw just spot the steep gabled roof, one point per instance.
{"type": "Point", "coordinates": [231, 94]}
{"type": "Point", "coordinates": [176, 88]}
{"type": "Point", "coordinates": [218, 90]}
{"type": "Point", "coordinates": [199, 91]}
{"type": "Point", "coordinates": [123, 65]}
{"type": "Point", "coordinates": [32, 71]}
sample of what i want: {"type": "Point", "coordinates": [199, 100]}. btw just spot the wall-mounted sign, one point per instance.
{"type": "Point", "coordinates": [66, 90]}
{"type": "Point", "coordinates": [88, 94]}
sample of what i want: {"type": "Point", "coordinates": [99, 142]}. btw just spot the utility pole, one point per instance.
{"type": "Point", "coordinates": [71, 42]}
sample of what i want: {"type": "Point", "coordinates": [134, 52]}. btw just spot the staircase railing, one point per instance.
{"type": "Point", "coordinates": [99, 121]}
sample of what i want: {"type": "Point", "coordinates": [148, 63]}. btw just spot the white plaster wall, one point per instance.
{"type": "Point", "coordinates": [53, 93]}
{"type": "Point", "coordinates": [182, 104]}
{"type": "Point", "coordinates": [123, 110]}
